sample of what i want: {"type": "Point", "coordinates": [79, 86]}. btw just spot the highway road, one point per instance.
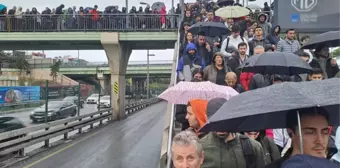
{"type": "Point", "coordinates": [132, 143]}
{"type": "Point", "coordinates": [24, 115]}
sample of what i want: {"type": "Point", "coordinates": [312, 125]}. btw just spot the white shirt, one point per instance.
{"type": "Point", "coordinates": [281, 137]}
{"type": "Point", "coordinates": [233, 42]}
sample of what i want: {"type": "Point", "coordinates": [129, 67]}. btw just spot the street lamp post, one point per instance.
{"type": "Point", "coordinates": [148, 74]}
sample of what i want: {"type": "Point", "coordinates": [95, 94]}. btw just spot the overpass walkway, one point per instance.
{"type": "Point", "coordinates": [131, 143]}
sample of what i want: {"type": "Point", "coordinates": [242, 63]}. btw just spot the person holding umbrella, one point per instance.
{"type": "Point", "coordinates": [323, 61]}
{"type": "Point", "coordinates": [203, 47]}
{"type": "Point", "coordinates": [306, 109]}
{"type": "Point", "coordinates": [314, 129]}
{"type": "Point", "coordinates": [228, 149]}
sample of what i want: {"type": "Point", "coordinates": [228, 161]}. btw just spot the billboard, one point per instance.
{"type": "Point", "coordinates": [307, 16]}
{"type": "Point", "coordinates": [58, 92]}
{"type": "Point", "coordinates": [16, 94]}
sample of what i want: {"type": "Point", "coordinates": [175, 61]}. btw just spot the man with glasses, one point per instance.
{"type": "Point", "coordinates": [289, 44]}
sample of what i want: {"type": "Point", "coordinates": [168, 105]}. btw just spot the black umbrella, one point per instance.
{"type": "Point", "coordinates": [225, 2]}
{"type": "Point", "coordinates": [331, 39]}
{"type": "Point", "coordinates": [211, 29]}
{"type": "Point", "coordinates": [268, 107]}
{"type": "Point", "coordinates": [157, 6]}
{"type": "Point", "coordinates": [276, 63]}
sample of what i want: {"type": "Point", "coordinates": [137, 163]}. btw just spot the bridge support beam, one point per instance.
{"type": "Point", "coordinates": [118, 56]}
{"type": "Point", "coordinates": [105, 84]}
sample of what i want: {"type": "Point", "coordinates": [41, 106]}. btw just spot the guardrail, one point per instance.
{"type": "Point", "coordinates": [165, 156]}
{"type": "Point", "coordinates": [17, 140]}
{"type": "Point", "coordinates": [22, 105]}
{"type": "Point", "coordinates": [88, 22]}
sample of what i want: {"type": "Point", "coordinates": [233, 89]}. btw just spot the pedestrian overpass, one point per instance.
{"type": "Point", "coordinates": [133, 142]}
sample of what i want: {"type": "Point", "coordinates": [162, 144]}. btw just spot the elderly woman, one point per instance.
{"type": "Point", "coordinates": [231, 80]}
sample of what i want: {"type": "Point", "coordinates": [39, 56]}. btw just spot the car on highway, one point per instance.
{"type": "Point", "coordinates": [74, 99]}
{"type": "Point", "coordinates": [93, 99]}
{"type": "Point", "coordinates": [8, 123]}
{"type": "Point", "coordinates": [105, 102]}
{"type": "Point", "coordinates": [56, 110]}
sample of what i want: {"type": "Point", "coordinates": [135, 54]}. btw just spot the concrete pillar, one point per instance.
{"type": "Point", "coordinates": [105, 84]}
{"type": "Point", "coordinates": [118, 56]}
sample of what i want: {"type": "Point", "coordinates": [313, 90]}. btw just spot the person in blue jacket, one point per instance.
{"type": "Point", "coordinates": [189, 62]}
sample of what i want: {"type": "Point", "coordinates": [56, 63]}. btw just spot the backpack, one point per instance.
{"type": "Point", "coordinates": [248, 151]}
{"type": "Point", "coordinates": [228, 39]}
{"type": "Point", "coordinates": [266, 144]}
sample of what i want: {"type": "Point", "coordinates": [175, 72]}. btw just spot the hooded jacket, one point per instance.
{"type": "Point", "coordinates": [274, 38]}
{"type": "Point", "coordinates": [188, 63]}
{"type": "Point", "coordinates": [199, 108]}
{"type": "Point", "coordinates": [266, 26]}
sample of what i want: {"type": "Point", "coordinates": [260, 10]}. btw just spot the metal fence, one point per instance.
{"type": "Point", "coordinates": [20, 105]}
{"type": "Point", "coordinates": [15, 141]}
{"type": "Point", "coordinates": [102, 22]}
{"type": "Point", "coordinates": [42, 64]}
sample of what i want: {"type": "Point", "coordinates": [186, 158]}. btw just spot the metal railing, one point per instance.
{"type": "Point", "coordinates": [17, 140]}
{"type": "Point", "coordinates": [168, 133]}
{"type": "Point", "coordinates": [14, 106]}
{"type": "Point", "coordinates": [88, 22]}
{"type": "Point", "coordinates": [40, 64]}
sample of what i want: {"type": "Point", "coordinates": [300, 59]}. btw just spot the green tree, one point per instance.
{"type": "Point", "coordinates": [336, 53]}
{"type": "Point", "coordinates": [20, 63]}
{"type": "Point", "coordinates": [55, 69]}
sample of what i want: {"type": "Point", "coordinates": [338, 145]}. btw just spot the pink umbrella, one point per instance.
{"type": "Point", "coordinates": [182, 92]}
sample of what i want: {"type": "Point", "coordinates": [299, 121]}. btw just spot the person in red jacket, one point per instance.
{"type": "Point", "coordinates": [245, 77]}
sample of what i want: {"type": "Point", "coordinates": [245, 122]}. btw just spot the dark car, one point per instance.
{"type": "Point", "coordinates": [56, 110]}
{"type": "Point", "coordinates": [74, 99]}
{"type": "Point", "coordinates": [8, 123]}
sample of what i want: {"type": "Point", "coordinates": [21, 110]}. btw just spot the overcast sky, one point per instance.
{"type": "Point", "coordinates": [99, 55]}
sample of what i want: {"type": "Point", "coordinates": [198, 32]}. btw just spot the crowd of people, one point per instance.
{"type": "Point", "coordinates": [216, 59]}
{"type": "Point", "coordinates": [90, 18]}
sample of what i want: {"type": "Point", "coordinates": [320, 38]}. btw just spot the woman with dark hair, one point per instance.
{"type": "Point", "coordinates": [197, 75]}
{"type": "Point", "coordinates": [188, 38]}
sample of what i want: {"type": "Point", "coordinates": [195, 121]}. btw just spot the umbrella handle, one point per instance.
{"type": "Point", "coordinates": [300, 132]}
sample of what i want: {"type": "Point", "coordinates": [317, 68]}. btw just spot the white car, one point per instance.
{"type": "Point", "coordinates": [105, 102]}
{"type": "Point", "coordinates": [93, 99]}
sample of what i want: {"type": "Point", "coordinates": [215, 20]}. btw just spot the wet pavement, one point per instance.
{"type": "Point", "coordinates": [132, 143]}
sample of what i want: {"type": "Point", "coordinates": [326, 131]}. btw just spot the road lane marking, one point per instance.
{"type": "Point", "coordinates": [62, 149]}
